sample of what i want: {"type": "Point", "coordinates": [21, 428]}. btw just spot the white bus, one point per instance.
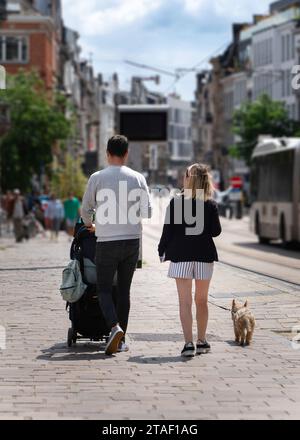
{"type": "Point", "coordinates": [275, 190]}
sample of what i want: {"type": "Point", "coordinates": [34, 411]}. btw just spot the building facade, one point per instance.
{"type": "Point", "coordinates": [106, 107]}
{"type": "Point", "coordinates": [180, 141]}
{"type": "Point", "coordinates": [29, 41]}
{"type": "Point", "coordinates": [258, 61]}
{"type": "Point", "coordinates": [160, 137]}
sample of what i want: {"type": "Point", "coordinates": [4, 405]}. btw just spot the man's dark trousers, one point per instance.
{"type": "Point", "coordinates": [113, 257]}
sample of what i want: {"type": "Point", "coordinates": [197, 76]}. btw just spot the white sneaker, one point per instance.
{"type": "Point", "coordinates": [114, 340]}
{"type": "Point", "coordinates": [123, 347]}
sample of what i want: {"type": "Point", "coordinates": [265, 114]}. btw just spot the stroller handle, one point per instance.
{"type": "Point", "coordinates": [82, 229]}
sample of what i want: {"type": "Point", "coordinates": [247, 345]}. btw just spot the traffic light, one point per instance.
{"type": "Point", "coordinates": [3, 10]}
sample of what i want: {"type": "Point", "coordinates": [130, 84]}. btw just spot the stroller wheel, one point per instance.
{"type": "Point", "coordinates": [70, 337]}
{"type": "Point", "coordinates": [74, 337]}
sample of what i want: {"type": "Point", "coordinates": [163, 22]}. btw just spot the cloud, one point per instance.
{"type": "Point", "coordinates": [103, 17]}
{"type": "Point", "coordinates": [224, 9]}
{"type": "Point", "coordinates": [162, 33]}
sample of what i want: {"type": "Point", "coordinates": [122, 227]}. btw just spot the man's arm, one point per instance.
{"type": "Point", "coordinates": [88, 203]}
{"type": "Point", "coordinates": [146, 207]}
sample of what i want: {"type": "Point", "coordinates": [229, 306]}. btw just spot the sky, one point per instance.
{"type": "Point", "coordinates": [167, 34]}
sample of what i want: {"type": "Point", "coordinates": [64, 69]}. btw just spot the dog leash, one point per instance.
{"type": "Point", "coordinates": [220, 307]}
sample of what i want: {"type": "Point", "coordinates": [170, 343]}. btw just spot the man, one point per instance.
{"type": "Point", "coordinates": [72, 213]}
{"type": "Point", "coordinates": [18, 214]}
{"type": "Point", "coordinates": [121, 199]}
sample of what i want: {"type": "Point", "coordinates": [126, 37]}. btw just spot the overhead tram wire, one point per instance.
{"type": "Point", "coordinates": [177, 74]}
{"type": "Point", "coordinates": [195, 67]}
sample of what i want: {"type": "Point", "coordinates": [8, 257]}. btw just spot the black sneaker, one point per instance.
{"type": "Point", "coordinates": [203, 347]}
{"type": "Point", "coordinates": [188, 350]}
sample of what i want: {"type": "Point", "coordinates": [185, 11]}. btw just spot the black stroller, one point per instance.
{"type": "Point", "coordinates": [86, 315]}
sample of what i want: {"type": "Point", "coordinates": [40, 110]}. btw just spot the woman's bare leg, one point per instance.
{"type": "Point", "coordinates": [184, 288]}
{"type": "Point", "coordinates": [201, 300]}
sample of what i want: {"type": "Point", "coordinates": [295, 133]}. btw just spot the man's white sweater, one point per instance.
{"type": "Point", "coordinates": [119, 198]}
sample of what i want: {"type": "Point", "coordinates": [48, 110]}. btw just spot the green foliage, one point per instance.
{"type": "Point", "coordinates": [37, 123]}
{"type": "Point", "coordinates": [234, 151]}
{"type": "Point", "coordinates": [68, 178]}
{"type": "Point", "coordinates": [262, 117]}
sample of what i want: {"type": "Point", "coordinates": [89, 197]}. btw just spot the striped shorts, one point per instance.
{"type": "Point", "coordinates": [193, 270]}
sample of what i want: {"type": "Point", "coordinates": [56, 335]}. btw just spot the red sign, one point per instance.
{"type": "Point", "coordinates": [236, 182]}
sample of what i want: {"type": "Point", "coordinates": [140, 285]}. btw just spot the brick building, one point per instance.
{"type": "Point", "coordinates": [30, 40]}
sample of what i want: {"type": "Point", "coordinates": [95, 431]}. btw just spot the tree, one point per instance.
{"type": "Point", "coordinates": [37, 123]}
{"type": "Point", "coordinates": [68, 178]}
{"type": "Point", "coordinates": [261, 117]}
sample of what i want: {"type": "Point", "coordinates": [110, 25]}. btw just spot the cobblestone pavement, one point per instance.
{"type": "Point", "coordinates": [41, 378]}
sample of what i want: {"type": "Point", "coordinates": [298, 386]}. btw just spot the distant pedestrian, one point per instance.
{"type": "Point", "coordinates": [72, 213]}
{"type": "Point", "coordinates": [192, 256]}
{"type": "Point", "coordinates": [8, 206]}
{"type": "Point", "coordinates": [18, 214]}
{"type": "Point", "coordinates": [39, 216]}
{"type": "Point", "coordinates": [55, 215]}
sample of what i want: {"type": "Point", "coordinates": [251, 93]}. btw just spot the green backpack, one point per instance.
{"type": "Point", "coordinates": [72, 287]}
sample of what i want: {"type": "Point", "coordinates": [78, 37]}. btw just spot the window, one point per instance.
{"type": "Point", "coordinates": [13, 49]}
{"type": "Point", "coordinates": [288, 83]}
{"type": "Point", "coordinates": [270, 50]}
{"type": "Point", "coordinates": [24, 49]}
{"type": "Point", "coordinates": [184, 149]}
{"type": "Point", "coordinates": [283, 84]}
{"type": "Point", "coordinates": [271, 177]}
{"type": "Point", "coordinates": [282, 176]}
{"type": "Point", "coordinates": [294, 111]}
{"type": "Point", "coordinates": [288, 47]}
{"type": "Point", "coordinates": [282, 48]}
{"type": "Point", "coordinates": [263, 52]}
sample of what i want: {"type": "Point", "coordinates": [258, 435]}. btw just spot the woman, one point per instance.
{"type": "Point", "coordinates": [192, 256]}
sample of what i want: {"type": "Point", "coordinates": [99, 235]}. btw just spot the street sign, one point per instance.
{"type": "Point", "coordinates": [236, 182]}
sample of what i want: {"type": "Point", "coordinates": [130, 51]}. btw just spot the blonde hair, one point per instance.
{"type": "Point", "coordinates": [199, 178]}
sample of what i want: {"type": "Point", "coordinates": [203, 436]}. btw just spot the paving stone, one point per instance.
{"type": "Point", "coordinates": [40, 377]}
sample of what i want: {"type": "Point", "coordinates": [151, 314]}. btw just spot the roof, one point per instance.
{"type": "Point", "coordinates": [268, 145]}
{"type": "Point", "coordinates": [276, 19]}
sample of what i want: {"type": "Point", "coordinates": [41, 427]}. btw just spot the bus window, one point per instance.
{"type": "Point", "coordinates": [282, 176]}
{"type": "Point", "coordinates": [254, 181]}
{"type": "Point", "coordinates": [271, 177]}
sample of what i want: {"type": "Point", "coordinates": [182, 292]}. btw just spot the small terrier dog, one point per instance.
{"type": "Point", "coordinates": [243, 323]}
